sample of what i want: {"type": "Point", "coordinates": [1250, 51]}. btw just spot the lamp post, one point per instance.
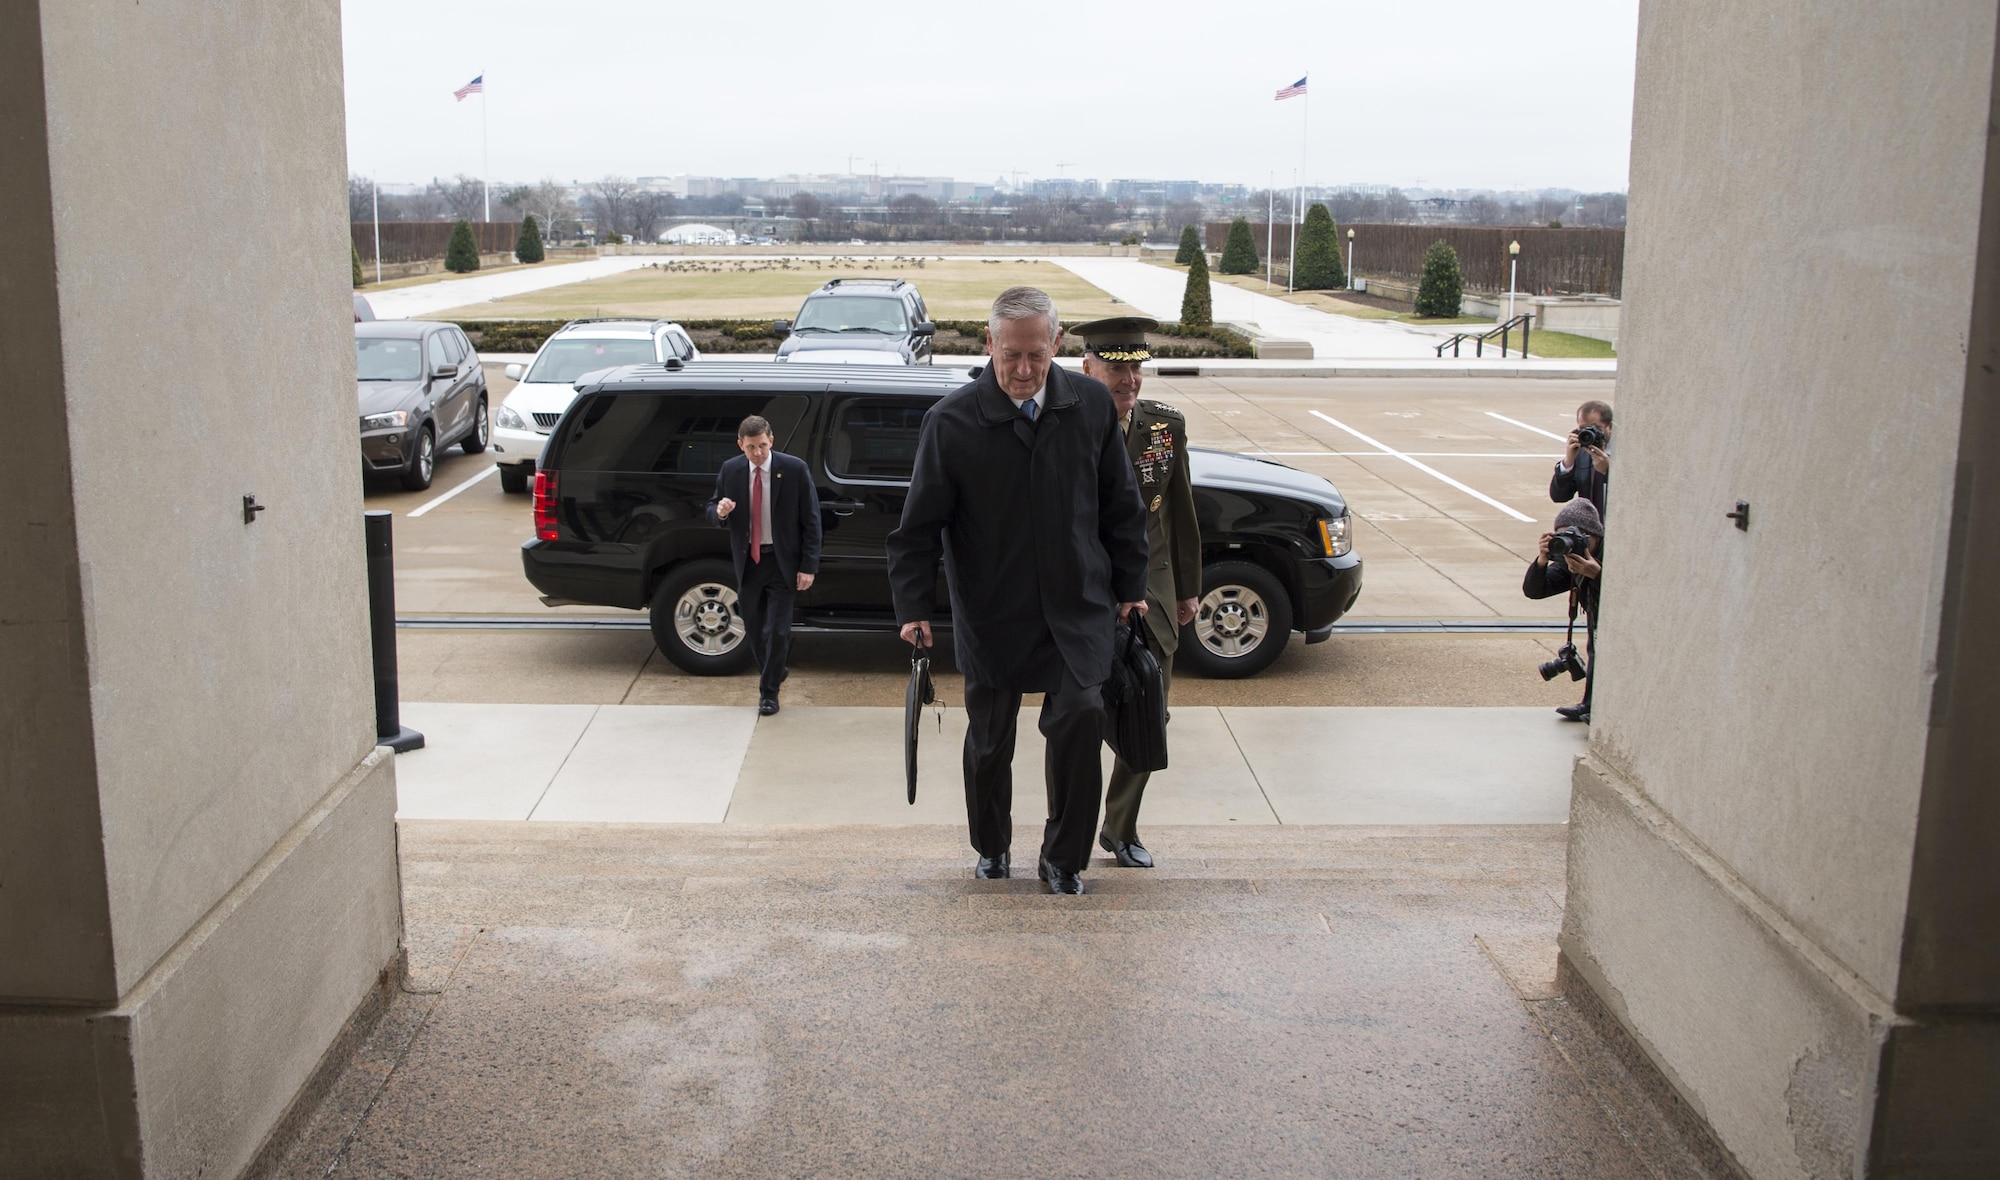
{"type": "Point", "coordinates": [1350, 258]}
{"type": "Point", "coordinates": [1513, 266]}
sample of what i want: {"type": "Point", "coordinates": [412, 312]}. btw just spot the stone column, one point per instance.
{"type": "Point", "coordinates": [197, 849]}
{"type": "Point", "coordinates": [1785, 829]}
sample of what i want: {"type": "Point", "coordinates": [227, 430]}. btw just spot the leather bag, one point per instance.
{"type": "Point", "coordinates": [1135, 701]}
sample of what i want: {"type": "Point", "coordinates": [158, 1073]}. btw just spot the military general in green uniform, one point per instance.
{"type": "Point", "coordinates": [1156, 438]}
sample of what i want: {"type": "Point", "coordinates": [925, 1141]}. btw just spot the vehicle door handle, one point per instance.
{"type": "Point", "coordinates": [844, 507]}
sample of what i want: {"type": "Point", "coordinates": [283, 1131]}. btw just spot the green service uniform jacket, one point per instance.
{"type": "Point", "coordinates": [1156, 438]}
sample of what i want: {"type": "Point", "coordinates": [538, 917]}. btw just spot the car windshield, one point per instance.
{"type": "Point", "coordinates": [388, 360]}
{"type": "Point", "coordinates": [851, 313]}
{"type": "Point", "coordinates": [566, 360]}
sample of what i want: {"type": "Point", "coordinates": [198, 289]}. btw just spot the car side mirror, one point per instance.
{"type": "Point", "coordinates": [513, 372]}
{"type": "Point", "coordinates": [781, 327]}
{"type": "Point", "coordinates": [924, 328]}
{"type": "Point", "coordinates": [445, 371]}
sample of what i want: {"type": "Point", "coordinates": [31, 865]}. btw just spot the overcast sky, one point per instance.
{"type": "Point", "coordinates": [1439, 94]}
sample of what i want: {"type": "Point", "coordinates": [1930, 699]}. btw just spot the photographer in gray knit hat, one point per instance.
{"type": "Point", "coordinates": [1570, 561]}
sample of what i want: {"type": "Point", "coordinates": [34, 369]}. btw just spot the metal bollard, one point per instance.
{"type": "Point", "coordinates": [389, 729]}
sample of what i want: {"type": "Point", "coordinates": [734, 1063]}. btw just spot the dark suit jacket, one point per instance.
{"type": "Point", "coordinates": [1584, 480]}
{"type": "Point", "coordinates": [794, 513]}
{"type": "Point", "coordinates": [1039, 526]}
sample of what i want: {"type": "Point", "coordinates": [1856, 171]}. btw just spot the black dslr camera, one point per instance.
{"type": "Point", "coordinates": [1590, 434]}
{"type": "Point", "coordinates": [1568, 541]}
{"type": "Point", "coordinates": [1566, 661]}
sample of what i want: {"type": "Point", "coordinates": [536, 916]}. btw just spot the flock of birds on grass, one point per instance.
{"type": "Point", "coordinates": [752, 266]}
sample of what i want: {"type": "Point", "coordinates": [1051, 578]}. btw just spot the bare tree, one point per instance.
{"type": "Point", "coordinates": [465, 195]}
{"type": "Point", "coordinates": [549, 201]}
{"type": "Point", "coordinates": [360, 198]}
{"type": "Point", "coordinates": [647, 210]}
{"type": "Point", "coordinates": [610, 202]}
{"type": "Point", "coordinates": [426, 204]}
{"type": "Point", "coordinates": [808, 209]}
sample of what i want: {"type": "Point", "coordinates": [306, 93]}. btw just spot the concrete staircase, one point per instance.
{"type": "Point", "coordinates": [729, 1001]}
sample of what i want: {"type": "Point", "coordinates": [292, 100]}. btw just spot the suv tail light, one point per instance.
{"type": "Point", "coordinates": [545, 506]}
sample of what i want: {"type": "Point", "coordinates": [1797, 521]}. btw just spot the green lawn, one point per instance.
{"type": "Point", "coordinates": [697, 288]}
{"type": "Point", "coordinates": [1562, 344]}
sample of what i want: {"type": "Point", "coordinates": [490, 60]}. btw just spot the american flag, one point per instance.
{"type": "Point", "coordinates": [1293, 91]}
{"type": "Point", "coordinates": [478, 86]}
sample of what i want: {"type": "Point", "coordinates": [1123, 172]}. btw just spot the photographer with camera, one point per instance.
{"type": "Point", "coordinates": [1585, 468]}
{"type": "Point", "coordinates": [1568, 562]}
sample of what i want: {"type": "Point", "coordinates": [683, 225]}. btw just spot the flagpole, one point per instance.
{"type": "Point", "coordinates": [375, 186]}
{"type": "Point", "coordinates": [1298, 189]}
{"type": "Point", "coordinates": [485, 157]}
{"type": "Point", "coordinates": [1270, 223]}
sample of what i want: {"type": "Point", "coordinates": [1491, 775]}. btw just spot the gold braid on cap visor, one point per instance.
{"type": "Point", "coordinates": [1122, 355]}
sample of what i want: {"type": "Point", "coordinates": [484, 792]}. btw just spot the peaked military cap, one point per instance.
{"type": "Point", "coordinates": [1120, 339]}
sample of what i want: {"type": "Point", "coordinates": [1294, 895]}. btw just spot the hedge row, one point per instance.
{"type": "Point", "coordinates": [954, 337]}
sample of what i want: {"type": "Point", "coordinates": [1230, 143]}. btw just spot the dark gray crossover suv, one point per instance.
{"type": "Point", "coordinates": [421, 390]}
{"type": "Point", "coordinates": [860, 322]}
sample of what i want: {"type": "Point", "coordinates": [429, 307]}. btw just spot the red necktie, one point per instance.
{"type": "Point", "coordinates": [756, 513]}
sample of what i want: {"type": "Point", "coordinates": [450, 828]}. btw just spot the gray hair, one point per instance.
{"type": "Point", "coordinates": [1023, 303]}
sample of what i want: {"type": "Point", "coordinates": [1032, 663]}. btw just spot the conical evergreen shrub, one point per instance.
{"type": "Point", "coordinates": [1239, 253]}
{"type": "Point", "coordinates": [1442, 287]}
{"type": "Point", "coordinates": [462, 253]}
{"type": "Point", "coordinates": [1197, 310]}
{"type": "Point", "coordinates": [528, 247]}
{"type": "Point", "coordinates": [356, 256]}
{"type": "Point", "coordinates": [1318, 266]}
{"type": "Point", "coordinates": [1190, 246]}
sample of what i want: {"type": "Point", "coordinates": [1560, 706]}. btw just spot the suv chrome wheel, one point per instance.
{"type": "Point", "coordinates": [1232, 621]}
{"type": "Point", "coordinates": [698, 623]}
{"type": "Point", "coordinates": [706, 619]}
{"type": "Point", "coordinates": [1241, 623]}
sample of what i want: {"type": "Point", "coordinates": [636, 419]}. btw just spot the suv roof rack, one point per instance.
{"type": "Point", "coordinates": [892, 284]}
{"type": "Point", "coordinates": [693, 373]}
{"type": "Point", "coordinates": [615, 319]}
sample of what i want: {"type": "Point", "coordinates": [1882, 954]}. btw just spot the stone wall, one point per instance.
{"type": "Point", "coordinates": [197, 871]}
{"type": "Point", "coordinates": [1771, 765]}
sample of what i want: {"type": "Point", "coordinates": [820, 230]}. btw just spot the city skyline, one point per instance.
{"type": "Point", "coordinates": [1458, 100]}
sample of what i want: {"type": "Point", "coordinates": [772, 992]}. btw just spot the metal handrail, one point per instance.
{"type": "Point", "coordinates": [1479, 339]}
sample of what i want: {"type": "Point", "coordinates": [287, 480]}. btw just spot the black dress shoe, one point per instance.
{"type": "Point", "coordinates": [1132, 855]}
{"type": "Point", "coordinates": [1060, 880]}
{"type": "Point", "coordinates": [1574, 713]}
{"type": "Point", "coordinates": [992, 868]}
{"type": "Point", "coordinates": [767, 706]}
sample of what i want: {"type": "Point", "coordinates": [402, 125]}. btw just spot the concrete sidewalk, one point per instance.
{"type": "Point", "coordinates": [402, 303]}
{"type": "Point", "coordinates": [1387, 348]}
{"type": "Point", "coordinates": [843, 765]}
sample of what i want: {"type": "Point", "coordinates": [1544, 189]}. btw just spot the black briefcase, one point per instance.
{"type": "Point", "coordinates": [1135, 701]}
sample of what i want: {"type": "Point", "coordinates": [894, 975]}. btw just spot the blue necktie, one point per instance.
{"type": "Point", "coordinates": [1029, 407]}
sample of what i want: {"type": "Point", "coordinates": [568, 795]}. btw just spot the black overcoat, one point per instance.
{"type": "Point", "coordinates": [1039, 526]}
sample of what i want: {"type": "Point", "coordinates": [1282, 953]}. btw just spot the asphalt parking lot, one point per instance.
{"type": "Point", "coordinates": [1448, 481]}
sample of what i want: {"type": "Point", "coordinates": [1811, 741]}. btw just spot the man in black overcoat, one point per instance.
{"type": "Point", "coordinates": [1024, 489]}
{"type": "Point", "coordinates": [766, 500]}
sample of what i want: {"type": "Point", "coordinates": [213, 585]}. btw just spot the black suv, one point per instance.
{"type": "Point", "coordinates": [860, 321]}
{"type": "Point", "coordinates": [619, 517]}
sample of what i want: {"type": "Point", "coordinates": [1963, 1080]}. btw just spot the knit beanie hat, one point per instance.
{"type": "Point", "coordinates": [1580, 514]}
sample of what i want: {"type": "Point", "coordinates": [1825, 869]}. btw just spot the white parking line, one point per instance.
{"type": "Point", "coordinates": [426, 507]}
{"type": "Point", "coordinates": [1412, 454]}
{"type": "Point", "coordinates": [1426, 468]}
{"type": "Point", "coordinates": [1523, 425]}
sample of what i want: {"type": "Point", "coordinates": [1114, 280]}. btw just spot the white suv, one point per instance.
{"type": "Point", "coordinates": [533, 407]}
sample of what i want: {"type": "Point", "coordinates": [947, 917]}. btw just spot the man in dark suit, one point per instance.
{"type": "Point", "coordinates": [1024, 490]}
{"type": "Point", "coordinates": [775, 541]}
